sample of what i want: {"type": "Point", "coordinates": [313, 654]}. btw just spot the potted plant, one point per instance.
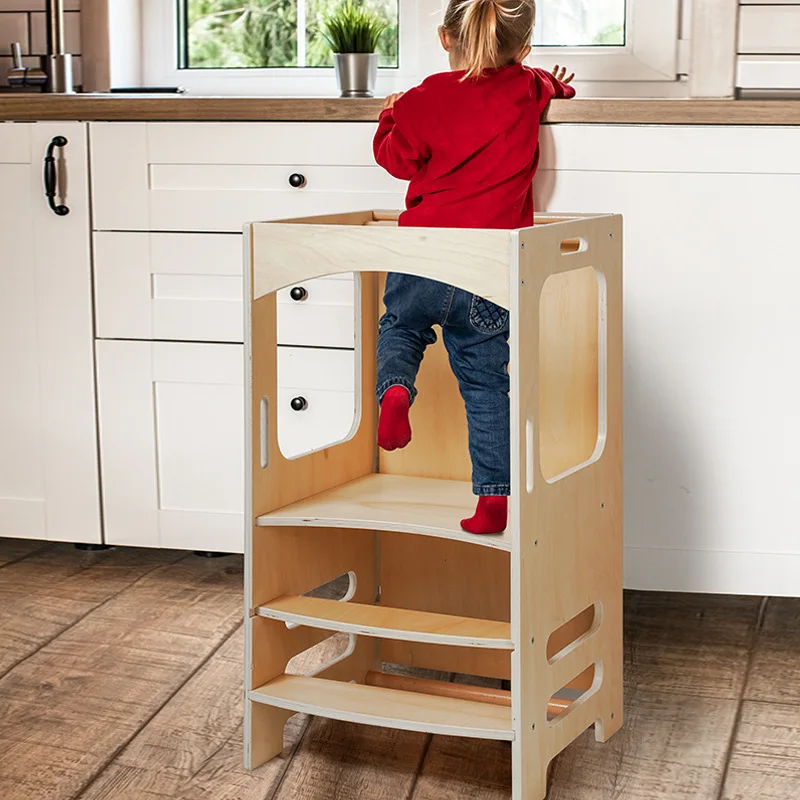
{"type": "Point", "coordinates": [353, 32]}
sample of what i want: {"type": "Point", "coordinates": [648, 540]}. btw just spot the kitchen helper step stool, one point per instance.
{"type": "Point", "coordinates": [541, 604]}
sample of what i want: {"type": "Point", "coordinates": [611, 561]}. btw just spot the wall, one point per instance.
{"type": "Point", "coordinates": [23, 21]}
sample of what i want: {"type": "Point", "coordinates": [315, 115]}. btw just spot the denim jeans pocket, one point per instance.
{"type": "Point", "coordinates": [487, 317]}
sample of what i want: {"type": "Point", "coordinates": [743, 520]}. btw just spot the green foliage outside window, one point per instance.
{"type": "Point", "coordinates": [231, 34]}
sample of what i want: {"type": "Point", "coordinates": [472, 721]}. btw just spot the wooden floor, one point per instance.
{"type": "Point", "coordinates": [120, 679]}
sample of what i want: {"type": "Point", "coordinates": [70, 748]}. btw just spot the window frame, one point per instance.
{"type": "Point", "coordinates": [650, 54]}
{"type": "Point", "coordinates": [160, 59]}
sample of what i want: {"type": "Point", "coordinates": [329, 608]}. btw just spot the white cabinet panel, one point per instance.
{"type": "Point", "coordinates": [48, 446]}
{"type": "Point", "coordinates": [712, 427]}
{"type": "Point", "coordinates": [169, 286]}
{"type": "Point", "coordinates": [216, 177]}
{"type": "Point", "coordinates": [324, 380]}
{"type": "Point", "coordinates": [172, 444]}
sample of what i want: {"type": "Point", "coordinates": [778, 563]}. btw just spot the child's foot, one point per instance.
{"type": "Point", "coordinates": [491, 516]}
{"type": "Point", "coordinates": [394, 429]}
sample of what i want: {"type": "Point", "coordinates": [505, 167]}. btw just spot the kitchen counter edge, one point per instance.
{"type": "Point", "coordinates": [189, 108]}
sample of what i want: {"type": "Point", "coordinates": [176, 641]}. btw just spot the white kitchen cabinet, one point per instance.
{"type": "Point", "coordinates": [48, 445]}
{"type": "Point", "coordinates": [712, 419]}
{"type": "Point", "coordinates": [217, 176]}
{"type": "Point", "coordinates": [171, 419]}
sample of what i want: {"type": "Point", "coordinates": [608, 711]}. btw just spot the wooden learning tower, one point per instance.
{"type": "Point", "coordinates": [540, 605]}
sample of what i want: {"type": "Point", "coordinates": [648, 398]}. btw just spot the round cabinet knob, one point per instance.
{"type": "Point", "coordinates": [297, 180]}
{"type": "Point", "coordinates": [298, 293]}
{"type": "Point", "coordinates": [299, 404]}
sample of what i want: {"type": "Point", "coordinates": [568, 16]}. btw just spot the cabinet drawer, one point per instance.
{"type": "Point", "coordinates": [316, 398]}
{"type": "Point", "coordinates": [217, 177]}
{"type": "Point", "coordinates": [188, 287]}
{"type": "Point", "coordinates": [321, 316]}
{"type": "Point", "coordinates": [168, 286]}
{"type": "Point", "coordinates": [304, 368]}
{"type": "Point", "coordinates": [769, 29]}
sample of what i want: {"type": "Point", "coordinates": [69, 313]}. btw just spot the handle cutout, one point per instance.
{"type": "Point", "coordinates": [264, 429]}
{"type": "Point", "coordinates": [574, 632]}
{"type": "Point", "coordinates": [571, 246]}
{"type": "Point", "coordinates": [529, 455]}
{"type": "Point", "coordinates": [579, 689]}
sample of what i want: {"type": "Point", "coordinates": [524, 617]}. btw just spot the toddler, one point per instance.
{"type": "Point", "coordinates": [468, 142]}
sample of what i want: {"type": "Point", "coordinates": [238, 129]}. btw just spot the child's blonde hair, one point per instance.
{"type": "Point", "coordinates": [489, 33]}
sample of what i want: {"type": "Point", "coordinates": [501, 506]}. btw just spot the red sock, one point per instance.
{"type": "Point", "coordinates": [394, 429]}
{"type": "Point", "coordinates": [491, 515]}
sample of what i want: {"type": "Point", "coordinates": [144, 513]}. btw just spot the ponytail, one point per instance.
{"type": "Point", "coordinates": [489, 33]}
{"type": "Point", "coordinates": [478, 37]}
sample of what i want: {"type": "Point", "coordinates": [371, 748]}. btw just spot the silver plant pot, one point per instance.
{"type": "Point", "coordinates": [356, 73]}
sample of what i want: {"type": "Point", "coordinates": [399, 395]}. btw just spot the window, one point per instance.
{"type": "Point", "coordinates": [580, 23]}
{"type": "Point", "coordinates": [275, 46]}
{"type": "Point", "coordinates": [239, 34]}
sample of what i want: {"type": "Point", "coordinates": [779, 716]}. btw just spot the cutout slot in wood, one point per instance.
{"type": "Point", "coordinates": [573, 632]}
{"type": "Point", "coordinates": [576, 690]}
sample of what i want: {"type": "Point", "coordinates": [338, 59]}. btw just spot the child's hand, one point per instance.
{"type": "Point", "coordinates": [391, 100]}
{"type": "Point", "coordinates": [559, 73]}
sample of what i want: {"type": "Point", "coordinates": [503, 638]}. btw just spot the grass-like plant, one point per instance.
{"type": "Point", "coordinates": [353, 28]}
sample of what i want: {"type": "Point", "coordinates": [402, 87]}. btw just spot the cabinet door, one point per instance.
{"type": "Point", "coordinates": [712, 423]}
{"type": "Point", "coordinates": [172, 444]}
{"type": "Point", "coordinates": [48, 446]}
{"type": "Point", "coordinates": [217, 176]}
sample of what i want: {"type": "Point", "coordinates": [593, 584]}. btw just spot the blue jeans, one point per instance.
{"type": "Point", "coordinates": [475, 333]}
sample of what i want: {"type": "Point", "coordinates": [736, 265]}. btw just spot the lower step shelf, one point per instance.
{"type": "Point", "coordinates": [386, 708]}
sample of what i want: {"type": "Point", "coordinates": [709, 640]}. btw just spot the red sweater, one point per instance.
{"type": "Point", "coordinates": [469, 149]}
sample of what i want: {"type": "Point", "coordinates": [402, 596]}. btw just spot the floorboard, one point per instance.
{"type": "Point", "coordinates": [12, 550]}
{"type": "Point", "coordinates": [775, 672]}
{"type": "Point", "coordinates": [55, 586]}
{"type": "Point", "coordinates": [765, 762]}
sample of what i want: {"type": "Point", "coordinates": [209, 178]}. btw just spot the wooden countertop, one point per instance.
{"type": "Point", "coordinates": [188, 108]}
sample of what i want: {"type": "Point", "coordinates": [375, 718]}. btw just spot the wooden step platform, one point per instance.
{"type": "Point", "coordinates": [387, 708]}
{"type": "Point", "coordinates": [391, 503]}
{"type": "Point", "coordinates": [390, 623]}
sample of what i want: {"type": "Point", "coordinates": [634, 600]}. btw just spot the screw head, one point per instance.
{"type": "Point", "coordinates": [522, 245]}
{"type": "Point", "coordinates": [612, 715]}
{"type": "Point", "coordinates": [602, 505]}
{"type": "Point", "coordinates": [533, 639]}
{"type": "Point", "coordinates": [533, 726]}
{"type": "Point", "coordinates": [535, 542]}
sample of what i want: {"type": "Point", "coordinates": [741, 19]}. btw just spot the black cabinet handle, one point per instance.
{"type": "Point", "coordinates": [50, 177]}
{"type": "Point", "coordinates": [299, 404]}
{"type": "Point", "coordinates": [297, 180]}
{"type": "Point", "coordinates": [298, 293]}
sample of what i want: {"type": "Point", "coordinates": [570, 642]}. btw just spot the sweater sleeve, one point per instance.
{"type": "Point", "coordinates": [552, 88]}
{"type": "Point", "coordinates": [398, 146]}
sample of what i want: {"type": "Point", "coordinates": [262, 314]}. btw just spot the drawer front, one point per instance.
{"type": "Point", "coordinates": [769, 29]}
{"type": "Point", "coordinates": [316, 398]}
{"type": "Point", "coordinates": [322, 316]}
{"type": "Point", "coordinates": [189, 287]}
{"type": "Point", "coordinates": [168, 286]}
{"type": "Point", "coordinates": [210, 177]}
{"type": "Point", "coordinates": [304, 368]}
